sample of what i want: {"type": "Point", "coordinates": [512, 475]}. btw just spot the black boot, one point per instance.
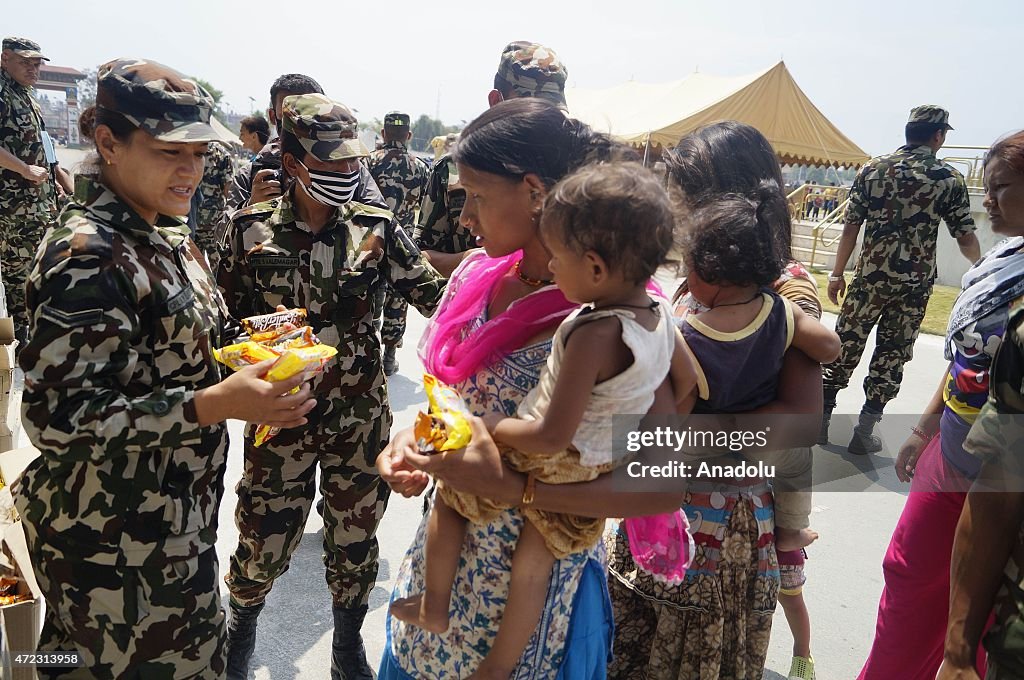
{"type": "Point", "coordinates": [348, 656]}
{"type": "Point", "coordinates": [241, 639]}
{"type": "Point", "coordinates": [863, 441]}
{"type": "Point", "coordinates": [826, 415]}
{"type": "Point", "coordinates": [390, 360]}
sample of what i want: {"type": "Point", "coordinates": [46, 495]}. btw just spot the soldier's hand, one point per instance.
{"type": "Point", "coordinates": [395, 470]}
{"type": "Point", "coordinates": [245, 395]}
{"type": "Point", "coordinates": [836, 289]}
{"type": "Point", "coordinates": [35, 174]}
{"type": "Point", "coordinates": [263, 187]}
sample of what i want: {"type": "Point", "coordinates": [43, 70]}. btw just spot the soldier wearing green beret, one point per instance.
{"type": "Point", "coordinates": [900, 199]}
{"type": "Point", "coordinates": [525, 70]}
{"type": "Point", "coordinates": [401, 177]}
{"type": "Point", "coordinates": [319, 248]}
{"type": "Point", "coordinates": [28, 193]}
{"type": "Point", "coordinates": [125, 402]}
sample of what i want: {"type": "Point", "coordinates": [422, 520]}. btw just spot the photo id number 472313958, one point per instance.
{"type": "Point", "coordinates": [46, 659]}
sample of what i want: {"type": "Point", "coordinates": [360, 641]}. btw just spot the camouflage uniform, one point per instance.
{"type": "Point", "coordinates": [401, 178]}
{"type": "Point", "coordinates": [335, 274]}
{"type": "Point", "coordinates": [217, 176]}
{"type": "Point", "coordinates": [25, 208]}
{"type": "Point", "coordinates": [998, 435]}
{"type": "Point", "coordinates": [900, 198]}
{"type": "Point", "coordinates": [120, 509]}
{"type": "Point", "coordinates": [524, 70]}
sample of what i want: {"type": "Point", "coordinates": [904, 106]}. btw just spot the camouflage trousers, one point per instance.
{"type": "Point", "coordinates": [19, 239]}
{"type": "Point", "coordinates": [274, 498]}
{"type": "Point", "coordinates": [897, 315]}
{"type": "Point", "coordinates": [393, 329]}
{"type": "Point", "coordinates": [160, 622]}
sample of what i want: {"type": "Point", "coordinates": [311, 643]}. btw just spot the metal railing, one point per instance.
{"type": "Point", "coordinates": [972, 166]}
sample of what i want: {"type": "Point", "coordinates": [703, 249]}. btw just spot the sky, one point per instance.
{"type": "Point", "coordinates": [864, 64]}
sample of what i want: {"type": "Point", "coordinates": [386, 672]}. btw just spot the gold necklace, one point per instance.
{"type": "Point", "coordinates": [533, 283]}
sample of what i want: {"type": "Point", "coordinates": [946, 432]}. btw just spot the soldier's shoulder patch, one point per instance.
{"type": "Point", "coordinates": [76, 319]}
{"type": "Point", "coordinates": [354, 209]}
{"type": "Point", "coordinates": [256, 210]}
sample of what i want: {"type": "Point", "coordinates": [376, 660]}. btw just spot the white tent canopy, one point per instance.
{"type": "Point", "coordinates": [771, 101]}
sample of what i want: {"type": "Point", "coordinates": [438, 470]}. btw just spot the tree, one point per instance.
{"type": "Point", "coordinates": [87, 89]}
{"type": "Point", "coordinates": [426, 128]}
{"type": "Point", "coordinates": [217, 96]}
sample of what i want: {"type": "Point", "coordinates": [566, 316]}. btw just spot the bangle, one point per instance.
{"type": "Point", "coordinates": [529, 490]}
{"type": "Point", "coordinates": [832, 278]}
{"type": "Point", "coordinates": [921, 433]}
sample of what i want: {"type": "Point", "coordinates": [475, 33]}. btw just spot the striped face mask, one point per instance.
{"type": "Point", "coordinates": [331, 188]}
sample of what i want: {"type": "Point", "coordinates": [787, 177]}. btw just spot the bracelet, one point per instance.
{"type": "Point", "coordinates": [921, 433]}
{"type": "Point", "coordinates": [832, 278]}
{"type": "Point", "coordinates": [529, 490]}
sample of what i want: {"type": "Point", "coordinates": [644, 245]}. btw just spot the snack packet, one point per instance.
{"type": "Point", "coordinates": [445, 427]}
{"type": "Point", "coordinates": [290, 339]}
{"type": "Point", "coordinates": [266, 322]}
{"type": "Point", "coordinates": [237, 357]}
{"type": "Point", "coordinates": [310, 360]}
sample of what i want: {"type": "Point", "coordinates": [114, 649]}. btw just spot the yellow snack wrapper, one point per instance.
{"type": "Point", "coordinates": [247, 353]}
{"type": "Point", "coordinates": [445, 427]}
{"type": "Point", "coordinates": [310, 360]}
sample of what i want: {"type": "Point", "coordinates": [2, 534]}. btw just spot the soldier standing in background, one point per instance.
{"type": "Point", "coordinates": [318, 247]}
{"type": "Point", "coordinates": [400, 176]}
{"type": "Point", "coordinates": [212, 198]}
{"type": "Point", "coordinates": [125, 402]}
{"type": "Point", "coordinates": [28, 193]}
{"type": "Point", "coordinates": [525, 70]}
{"type": "Point", "coordinates": [900, 199]}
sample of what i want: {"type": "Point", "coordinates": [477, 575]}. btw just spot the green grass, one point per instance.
{"type": "Point", "coordinates": [935, 318]}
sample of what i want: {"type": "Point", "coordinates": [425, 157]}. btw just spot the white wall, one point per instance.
{"type": "Point", "coordinates": [951, 264]}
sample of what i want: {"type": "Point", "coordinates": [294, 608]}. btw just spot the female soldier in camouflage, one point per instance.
{"type": "Point", "coordinates": [125, 402]}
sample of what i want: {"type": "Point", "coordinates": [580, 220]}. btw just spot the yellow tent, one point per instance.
{"type": "Point", "coordinates": [661, 114]}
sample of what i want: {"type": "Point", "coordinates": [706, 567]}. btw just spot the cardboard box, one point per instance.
{"type": "Point", "coordinates": [20, 622]}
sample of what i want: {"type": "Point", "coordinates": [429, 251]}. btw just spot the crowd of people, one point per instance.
{"type": "Point", "coordinates": [533, 254]}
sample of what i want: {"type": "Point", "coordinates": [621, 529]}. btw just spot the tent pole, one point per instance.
{"type": "Point", "coordinates": [647, 149]}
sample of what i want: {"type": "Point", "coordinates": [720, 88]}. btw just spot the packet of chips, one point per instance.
{"type": "Point", "coordinates": [445, 427]}
{"type": "Point", "coordinates": [309, 360]}
{"type": "Point", "coordinates": [267, 322]}
{"type": "Point", "coordinates": [237, 357]}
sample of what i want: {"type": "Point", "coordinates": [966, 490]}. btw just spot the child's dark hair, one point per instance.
{"type": "Point", "coordinates": [618, 210]}
{"type": "Point", "coordinates": [729, 238]}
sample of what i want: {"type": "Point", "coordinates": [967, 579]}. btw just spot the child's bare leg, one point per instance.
{"type": "Point", "coordinates": [793, 539]}
{"type": "Point", "coordinates": [429, 609]}
{"type": "Point", "coordinates": [799, 623]}
{"type": "Point", "coordinates": [531, 572]}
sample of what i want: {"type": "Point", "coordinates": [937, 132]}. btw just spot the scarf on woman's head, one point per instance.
{"type": "Point", "coordinates": [993, 281]}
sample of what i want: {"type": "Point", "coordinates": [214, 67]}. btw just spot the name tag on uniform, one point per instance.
{"type": "Point", "coordinates": [276, 261]}
{"type": "Point", "coordinates": [179, 301]}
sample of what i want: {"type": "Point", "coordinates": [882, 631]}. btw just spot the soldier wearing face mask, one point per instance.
{"type": "Point", "coordinates": [319, 248]}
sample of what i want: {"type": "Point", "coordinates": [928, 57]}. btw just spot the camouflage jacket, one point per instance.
{"type": "Point", "coordinates": [439, 227]}
{"type": "Point", "coordinates": [217, 177]}
{"type": "Point", "coordinates": [273, 259]}
{"type": "Point", "coordinates": [901, 197]}
{"type": "Point", "coordinates": [998, 435]}
{"type": "Point", "coordinates": [400, 176]}
{"type": "Point", "coordinates": [125, 316]}
{"type": "Point", "coordinates": [21, 127]}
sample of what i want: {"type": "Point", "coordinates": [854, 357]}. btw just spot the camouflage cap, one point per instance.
{"type": "Point", "coordinates": [929, 113]}
{"type": "Point", "coordinates": [532, 70]}
{"type": "Point", "coordinates": [24, 47]}
{"type": "Point", "coordinates": [397, 119]}
{"type": "Point", "coordinates": [157, 99]}
{"type": "Point", "coordinates": [325, 128]}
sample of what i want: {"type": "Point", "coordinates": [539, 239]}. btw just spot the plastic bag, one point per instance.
{"type": "Point", "coordinates": [661, 545]}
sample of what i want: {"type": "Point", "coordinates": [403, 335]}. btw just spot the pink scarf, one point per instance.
{"type": "Point", "coordinates": [451, 354]}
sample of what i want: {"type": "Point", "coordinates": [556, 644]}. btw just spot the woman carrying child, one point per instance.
{"type": "Point", "coordinates": [490, 339]}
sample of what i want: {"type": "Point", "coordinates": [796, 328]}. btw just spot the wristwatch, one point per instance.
{"type": "Point", "coordinates": [832, 278]}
